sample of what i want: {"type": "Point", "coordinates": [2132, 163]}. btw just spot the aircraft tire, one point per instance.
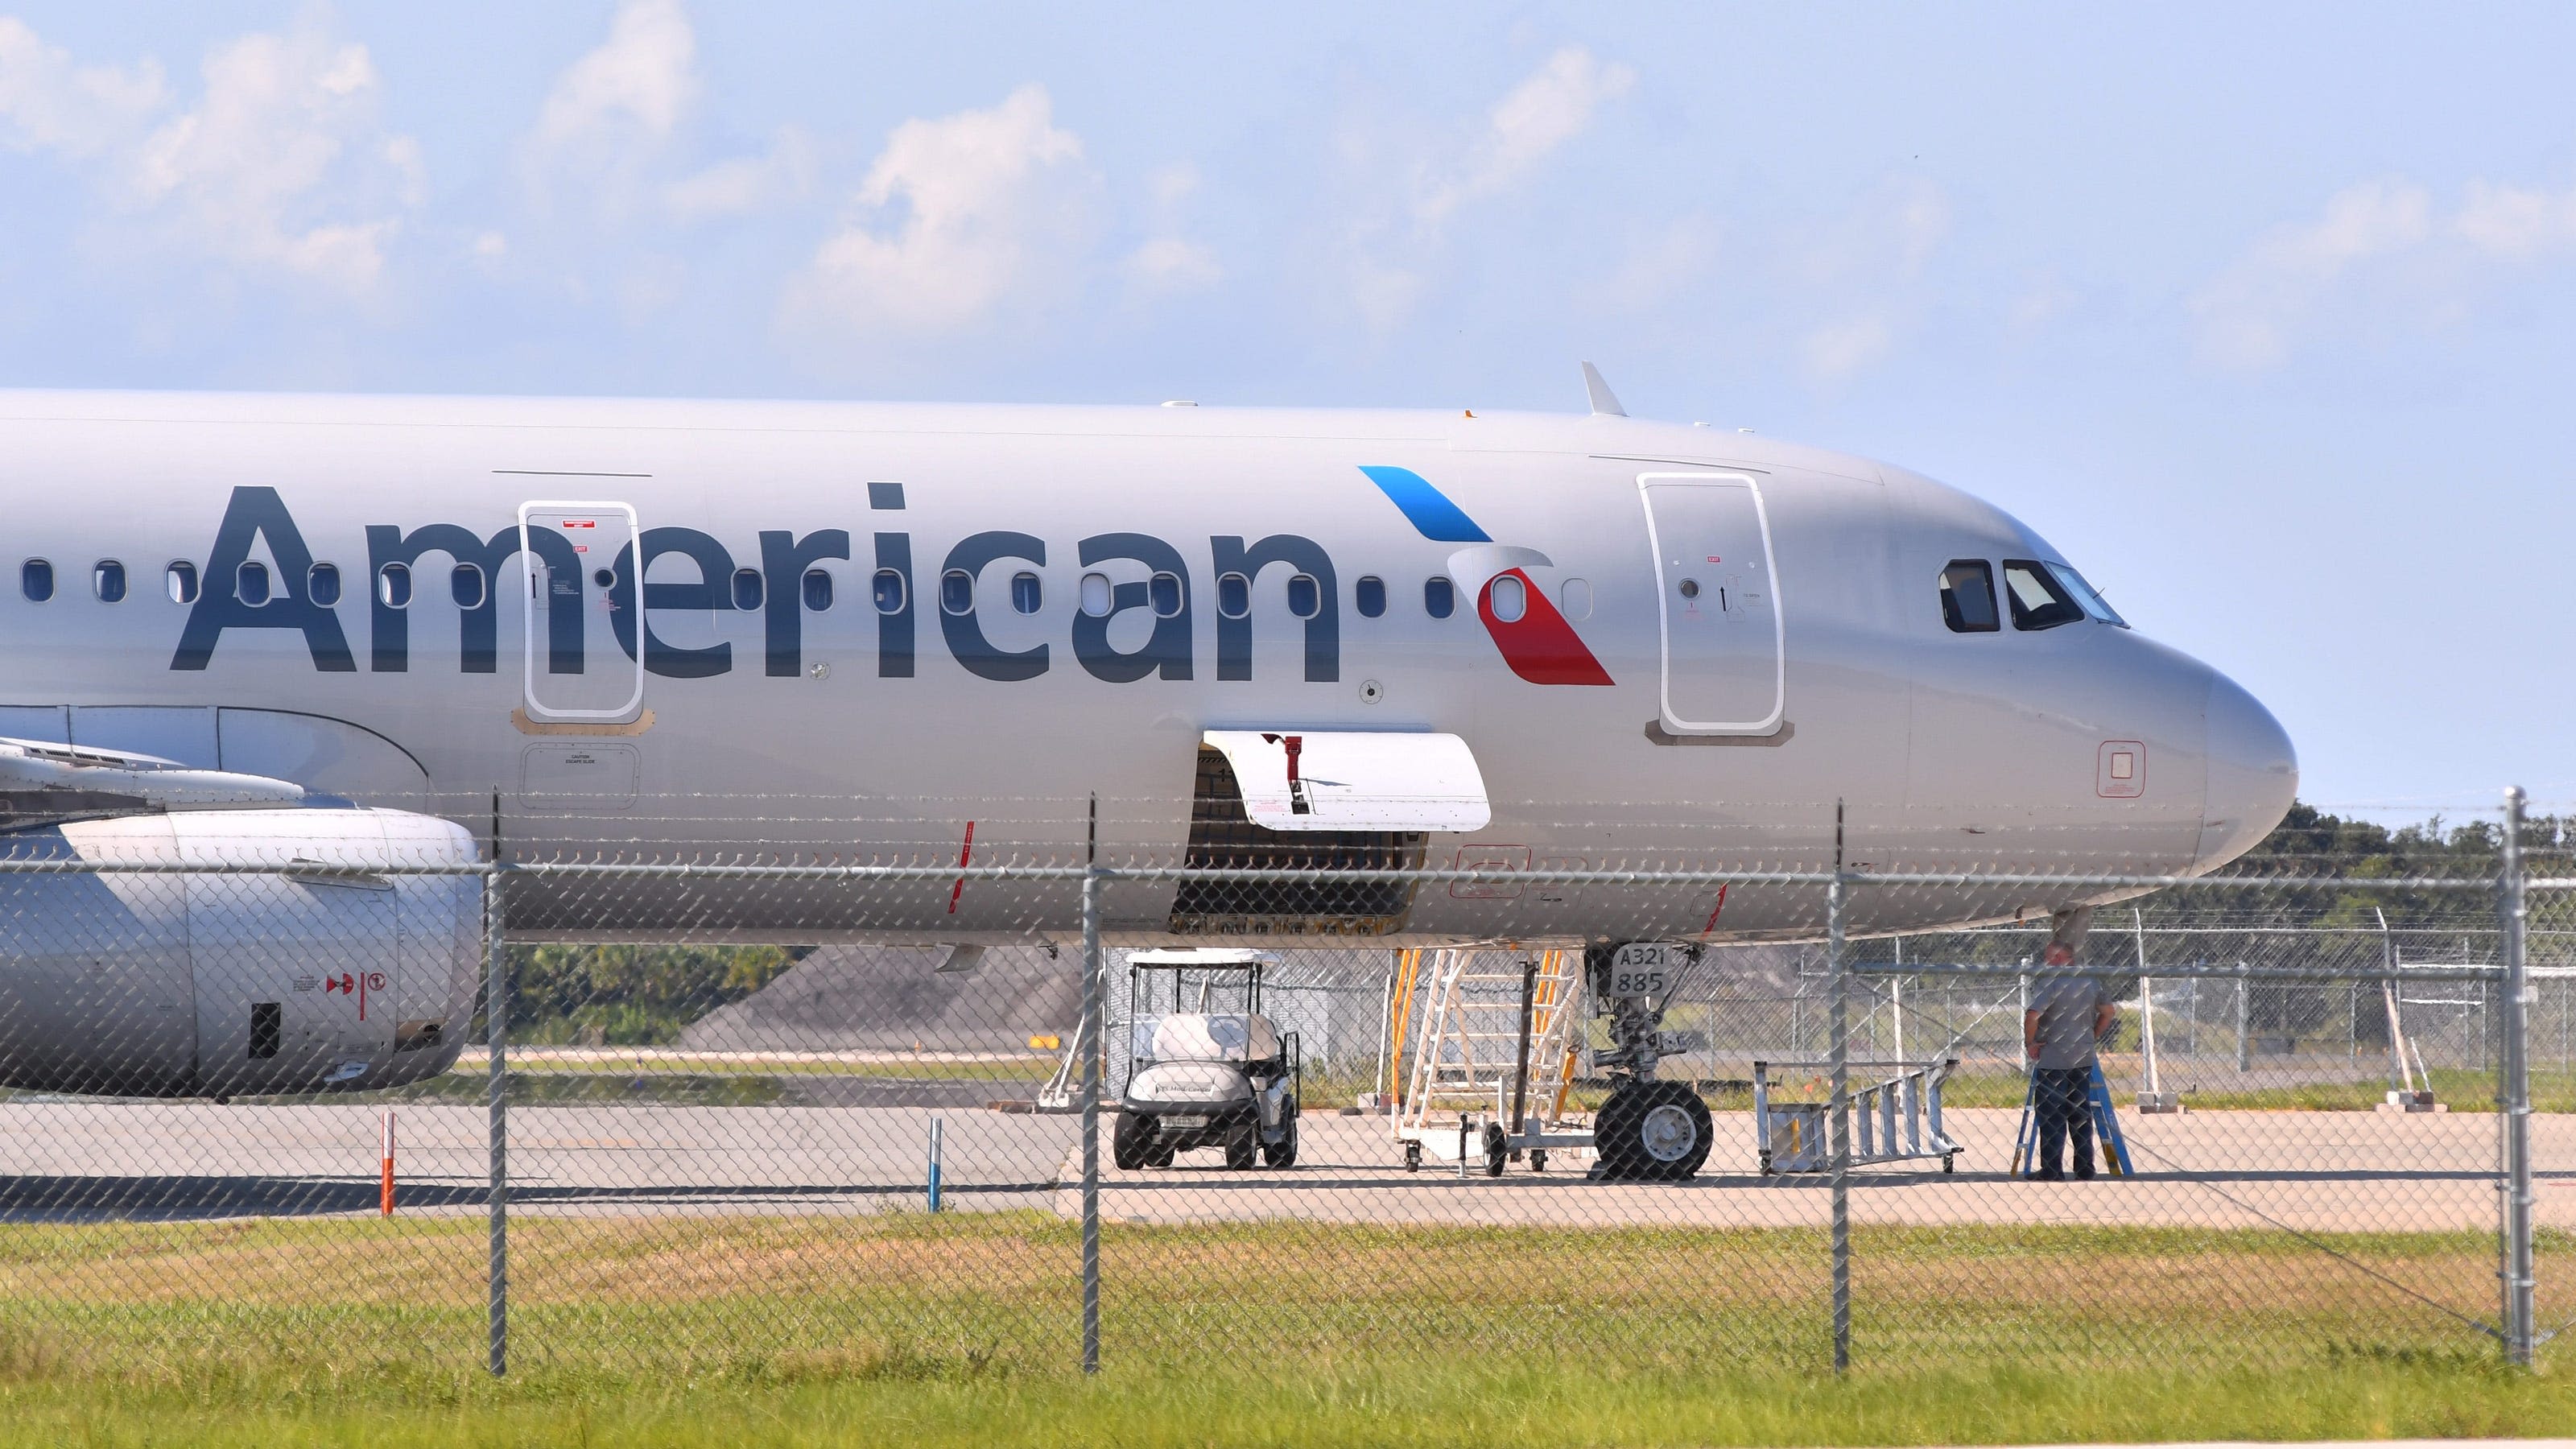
{"type": "Point", "coordinates": [1652, 1132]}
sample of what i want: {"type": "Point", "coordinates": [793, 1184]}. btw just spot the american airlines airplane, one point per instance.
{"type": "Point", "coordinates": [331, 635]}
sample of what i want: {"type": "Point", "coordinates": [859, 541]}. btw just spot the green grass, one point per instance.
{"type": "Point", "coordinates": [960, 1330]}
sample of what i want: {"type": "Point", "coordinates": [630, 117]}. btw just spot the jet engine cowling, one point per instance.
{"type": "Point", "coordinates": [319, 969]}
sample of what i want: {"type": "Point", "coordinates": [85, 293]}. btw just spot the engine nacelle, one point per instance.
{"type": "Point", "coordinates": [324, 976]}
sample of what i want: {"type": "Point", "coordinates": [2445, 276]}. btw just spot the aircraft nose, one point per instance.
{"type": "Point", "coordinates": [2253, 773]}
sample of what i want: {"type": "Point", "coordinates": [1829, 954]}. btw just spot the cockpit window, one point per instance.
{"type": "Point", "coordinates": [2039, 601]}
{"type": "Point", "coordinates": [1968, 596]}
{"type": "Point", "coordinates": [2086, 595]}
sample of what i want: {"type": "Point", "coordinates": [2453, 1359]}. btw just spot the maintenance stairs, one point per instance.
{"type": "Point", "coordinates": [1492, 1038]}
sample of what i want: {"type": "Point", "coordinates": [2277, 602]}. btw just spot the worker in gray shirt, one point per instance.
{"type": "Point", "coordinates": [2068, 1015]}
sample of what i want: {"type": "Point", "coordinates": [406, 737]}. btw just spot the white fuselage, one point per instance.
{"type": "Point", "coordinates": [814, 730]}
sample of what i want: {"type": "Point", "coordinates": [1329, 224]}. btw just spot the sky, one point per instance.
{"type": "Point", "coordinates": [2265, 316]}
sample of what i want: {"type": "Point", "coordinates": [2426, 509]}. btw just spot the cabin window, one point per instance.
{"type": "Point", "coordinates": [747, 589]}
{"type": "Point", "coordinates": [890, 591]}
{"type": "Point", "coordinates": [2039, 601]}
{"type": "Point", "coordinates": [1439, 597]}
{"type": "Point", "coordinates": [2086, 595]}
{"type": "Point", "coordinates": [393, 585]}
{"type": "Point", "coordinates": [1968, 597]}
{"type": "Point", "coordinates": [108, 581]}
{"type": "Point", "coordinates": [465, 586]}
{"type": "Point", "coordinates": [1026, 593]}
{"type": "Point", "coordinates": [1369, 596]}
{"type": "Point", "coordinates": [1164, 592]}
{"type": "Point", "coordinates": [817, 586]}
{"type": "Point", "coordinates": [1097, 595]}
{"type": "Point", "coordinates": [1508, 597]}
{"type": "Point", "coordinates": [181, 580]}
{"type": "Point", "coordinates": [322, 584]}
{"type": "Point", "coordinates": [36, 579]}
{"type": "Point", "coordinates": [957, 592]}
{"type": "Point", "coordinates": [1305, 596]}
{"type": "Point", "coordinates": [1233, 596]}
{"type": "Point", "coordinates": [1575, 598]}
{"type": "Point", "coordinates": [251, 584]}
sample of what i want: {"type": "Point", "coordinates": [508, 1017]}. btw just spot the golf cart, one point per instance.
{"type": "Point", "coordinates": [1208, 1070]}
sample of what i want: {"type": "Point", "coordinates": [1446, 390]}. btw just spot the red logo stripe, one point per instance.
{"type": "Point", "coordinates": [1539, 645]}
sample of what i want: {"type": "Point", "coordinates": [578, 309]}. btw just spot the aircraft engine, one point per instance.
{"type": "Point", "coordinates": [320, 973]}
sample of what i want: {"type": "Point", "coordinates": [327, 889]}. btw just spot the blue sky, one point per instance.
{"type": "Point", "coordinates": [2267, 319]}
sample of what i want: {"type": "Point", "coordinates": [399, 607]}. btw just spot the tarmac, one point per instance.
{"type": "Point", "coordinates": [2310, 1171]}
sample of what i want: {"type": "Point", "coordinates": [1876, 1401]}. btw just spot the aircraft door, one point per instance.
{"type": "Point", "coordinates": [1718, 604]}
{"type": "Point", "coordinates": [579, 571]}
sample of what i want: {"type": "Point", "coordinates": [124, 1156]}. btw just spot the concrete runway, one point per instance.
{"type": "Point", "coordinates": [2329, 1171]}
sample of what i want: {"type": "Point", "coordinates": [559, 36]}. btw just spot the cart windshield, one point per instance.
{"type": "Point", "coordinates": [1204, 1037]}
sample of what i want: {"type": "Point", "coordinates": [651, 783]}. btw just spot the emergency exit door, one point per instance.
{"type": "Point", "coordinates": [580, 561]}
{"type": "Point", "coordinates": [1718, 602]}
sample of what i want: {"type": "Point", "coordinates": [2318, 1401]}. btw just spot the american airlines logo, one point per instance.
{"type": "Point", "coordinates": [1536, 641]}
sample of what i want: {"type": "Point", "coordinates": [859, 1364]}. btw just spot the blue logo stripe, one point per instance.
{"type": "Point", "coordinates": [1426, 507]}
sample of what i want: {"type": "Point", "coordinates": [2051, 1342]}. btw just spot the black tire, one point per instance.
{"type": "Point", "coordinates": [1498, 1149]}
{"type": "Point", "coordinates": [1538, 1159]}
{"type": "Point", "coordinates": [1413, 1157]}
{"type": "Point", "coordinates": [1131, 1143]}
{"type": "Point", "coordinates": [1282, 1153]}
{"type": "Point", "coordinates": [1652, 1132]}
{"type": "Point", "coordinates": [1159, 1155]}
{"type": "Point", "coordinates": [1243, 1146]}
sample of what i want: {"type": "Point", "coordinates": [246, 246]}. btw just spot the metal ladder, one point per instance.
{"type": "Point", "coordinates": [1466, 1054]}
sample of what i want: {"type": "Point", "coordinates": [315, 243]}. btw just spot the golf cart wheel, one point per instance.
{"type": "Point", "coordinates": [1652, 1132]}
{"type": "Point", "coordinates": [1413, 1157]}
{"type": "Point", "coordinates": [1282, 1153]}
{"type": "Point", "coordinates": [1131, 1142]}
{"type": "Point", "coordinates": [1498, 1149]}
{"type": "Point", "coordinates": [1243, 1147]}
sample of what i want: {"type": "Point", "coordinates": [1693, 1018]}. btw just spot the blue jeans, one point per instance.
{"type": "Point", "coordinates": [2062, 1097]}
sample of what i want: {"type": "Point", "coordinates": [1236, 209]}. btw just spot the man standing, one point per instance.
{"type": "Point", "coordinates": [2068, 1015]}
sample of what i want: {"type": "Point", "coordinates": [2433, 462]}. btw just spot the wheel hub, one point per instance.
{"type": "Point", "coordinates": [1667, 1133]}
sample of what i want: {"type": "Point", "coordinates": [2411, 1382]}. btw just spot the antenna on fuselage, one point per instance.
{"type": "Point", "coordinates": [1605, 403]}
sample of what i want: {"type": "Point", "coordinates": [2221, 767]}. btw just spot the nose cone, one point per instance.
{"type": "Point", "coordinates": [2253, 773]}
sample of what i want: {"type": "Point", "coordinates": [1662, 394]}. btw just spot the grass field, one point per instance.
{"type": "Point", "coordinates": [960, 1329]}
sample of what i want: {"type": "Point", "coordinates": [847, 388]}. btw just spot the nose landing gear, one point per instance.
{"type": "Point", "coordinates": [1649, 1130]}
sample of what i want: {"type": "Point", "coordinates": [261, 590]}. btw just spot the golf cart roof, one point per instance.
{"type": "Point", "coordinates": [1202, 958]}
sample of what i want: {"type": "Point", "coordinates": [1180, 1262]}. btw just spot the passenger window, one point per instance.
{"type": "Point", "coordinates": [1439, 597]}
{"type": "Point", "coordinates": [1508, 597]}
{"type": "Point", "coordinates": [250, 584]}
{"type": "Point", "coordinates": [36, 579]}
{"type": "Point", "coordinates": [1968, 597]}
{"type": "Point", "coordinates": [1369, 596]}
{"type": "Point", "coordinates": [322, 584]}
{"type": "Point", "coordinates": [393, 585]}
{"type": "Point", "coordinates": [747, 589]}
{"type": "Point", "coordinates": [2039, 601]}
{"type": "Point", "coordinates": [818, 590]}
{"type": "Point", "coordinates": [957, 592]}
{"type": "Point", "coordinates": [465, 586]}
{"type": "Point", "coordinates": [1234, 596]}
{"type": "Point", "coordinates": [889, 590]}
{"type": "Point", "coordinates": [1576, 599]}
{"type": "Point", "coordinates": [108, 581]}
{"type": "Point", "coordinates": [1027, 595]}
{"type": "Point", "coordinates": [181, 580]}
{"type": "Point", "coordinates": [1096, 595]}
{"type": "Point", "coordinates": [1163, 591]}
{"type": "Point", "coordinates": [1305, 596]}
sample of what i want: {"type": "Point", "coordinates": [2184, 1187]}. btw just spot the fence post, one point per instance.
{"type": "Point", "coordinates": [2513, 1097]}
{"type": "Point", "coordinates": [496, 1035]}
{"type": "Point", "coordinates": [1838, 1014]}
{"type": "Point", "coordinates": [1089, 1045]}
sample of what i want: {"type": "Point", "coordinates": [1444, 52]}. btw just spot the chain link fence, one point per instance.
{"type": "Point", "coordinates": [401, 1114]}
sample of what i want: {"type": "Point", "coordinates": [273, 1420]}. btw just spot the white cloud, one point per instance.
{"type": "Point", "coordinates": [2383, 253]}
{"type": "Point", "coordinates": [635, 86]}
{"type": "Point", "coordinates": [1169, 262]}
{"type": "Point", "coordinates": [1838, 350]}
{"type": "Point", "coordinates": [281, 166]}
{"type": "Point", "coordinates": [743, 184]}
{"type": "Point", "coordinates": [1541, 114]}
{"type": "Point", "coordinates": [966, 215]}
